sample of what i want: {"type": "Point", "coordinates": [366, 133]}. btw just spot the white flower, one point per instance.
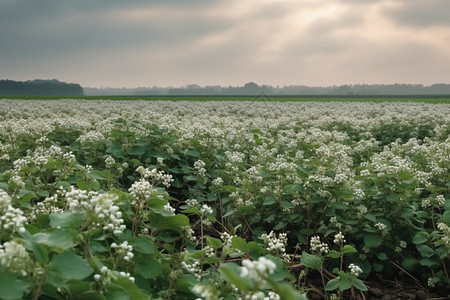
{"type": "Point", "coordinates": [169, 208]}
{"type": "Point", "coordinates": [355, 270]}
{"type": "Point", "coordinates": [339, 238]}
{"type": "Point", "coordinates": [317, 246]}
{"type": "Point", "coordinates": [257, 270]}
{"type": "Point", "coordinates": [380, 226]}
{"type": "Point", "coordinates": [206, 210]}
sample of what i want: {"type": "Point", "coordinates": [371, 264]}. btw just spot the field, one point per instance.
{"type": "Point", "coordinates": [289, 199]}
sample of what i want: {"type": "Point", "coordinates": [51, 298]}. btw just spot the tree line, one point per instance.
{"type": "Point", "coordinates": [252, 88]}
{"type": "Point", "coordinates": [39, 88]}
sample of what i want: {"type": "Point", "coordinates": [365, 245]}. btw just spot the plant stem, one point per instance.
{"type": "Point", "coordinates": [41, 282]}
{"type": "Point", "coordinates": [323, 282]}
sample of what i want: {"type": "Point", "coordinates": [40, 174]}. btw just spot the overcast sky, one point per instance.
{"type": "Point", "coordinates": [118, 43]}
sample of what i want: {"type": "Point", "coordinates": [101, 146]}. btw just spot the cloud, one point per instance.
{"type": "Point", "coordinates": [175, 42]}
{"type": "Point", "coordinates": [419, 13]}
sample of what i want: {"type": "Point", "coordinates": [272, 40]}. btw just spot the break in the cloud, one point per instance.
{"type": "Point", "coordinates": [227, 42]}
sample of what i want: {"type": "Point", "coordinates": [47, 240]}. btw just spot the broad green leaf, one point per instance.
{"type": "Point", "coordinates": [311, 261]}
{"type": "Point", "coordinates": [345, 284]}
{"type": "Point", "coordinates": [97, 174]}
{"type": "Point", "coordinates": [148, 267]}
{"type": "Point", "coordinates": [66, 219]}
{"type": "Point", "coordinates": [410, 263]}
{"type": "Point", "coordinates": [240, 244]}
{"type": "Point", "coordinates": [372, 240]}
{"type": "Point", "coordinates": [62, 238]}
{"type": "Point", "coordinates": [70, 266]}
{"type": "Point", "coordinates": [287, 204]}
{"type": "Point", "coordinates": [168, 223]}
{"type": "Point", "coordinates": [334, 254]}
{"type": "Point", "coordinates": [428, 262]}
{"type": "Point", "coordinates": [11, 287]}
{"type": "Point", "coordinates": [143, 245]}
{"type": "Point", "coordinates": [357, 283]}
{"type": "Point", "coordinates": [136, 150]}
{"type": "Point", "coordinates": [193, 153]}
{"type": "Point", "coordinates": [349, 249]}
{"type": "Point", "coordinates": [425, 251]}
{"type": "Point", "coordinates": [382, 256]}
{"type": "Point", "coordinates": [370, 217]}
{"type": "Point", "coordinates": [333, 284]}
{"type": "Point", "coordinates": [269, 200]}
{"type": "Point", "coordinates": [213, 242]}
{"type": "Point", "coordinates": [130, 289]}
{"type": "Point", "coordinates": [420, 237]}
{"type": "Point", "coordinates": [446, 218]}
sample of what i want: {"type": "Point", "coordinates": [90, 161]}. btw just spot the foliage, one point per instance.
{"type": "Point", "coordinates": [180, 200]}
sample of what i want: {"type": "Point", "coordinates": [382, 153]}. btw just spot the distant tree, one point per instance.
{"type": "Point", "coordinates": [39, 88]}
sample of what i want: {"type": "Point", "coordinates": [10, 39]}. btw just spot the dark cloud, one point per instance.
{"type": "Point", "coordinates": [420, 13]}
{"type": "Point", "coordinates": [174, 42]}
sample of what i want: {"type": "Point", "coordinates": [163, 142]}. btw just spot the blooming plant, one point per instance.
{"type": "Point", "coordinates": [221, 200]}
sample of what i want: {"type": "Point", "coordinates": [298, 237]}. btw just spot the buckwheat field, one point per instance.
{"type": "Point", "coordinates": [221, 199]}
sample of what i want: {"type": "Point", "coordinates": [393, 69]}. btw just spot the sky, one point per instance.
{"type": "Point", "coordinates": [143, 43]}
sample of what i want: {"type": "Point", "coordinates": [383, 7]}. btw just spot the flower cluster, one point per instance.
{"type": "Point", "coordinates": [355, 270]}
{"type": "Point", "coordinates": [199, 165]}
{"type": "Point", "coordinates": [107, 276]}
{"type": "Point", "coordinates": [154, 176]}
{"type": "Point", "coordinates": [193, 268]}
{"type": "Point", "coordinates": [317, 246]}
{"type": "Point", "coordinates": [11, 219]}
{"type": "Point", "coordinates": [257, 270]}
{"type": "Point", "coordinates": [106, 213]}
{"type": "Point", "coordinates": [276, 244]}
{"type": "Point", "coordinates": [339, 238]}
{"type": "Point", "coordinates": [15, 258]}
{"type": "Point", "coordinates": [123, 250]}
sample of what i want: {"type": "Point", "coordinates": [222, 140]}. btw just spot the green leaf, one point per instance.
{"type": "Point", "coordinates": [446, 218]}
{"type": "Point", "coordinates": [287, 204]}
{"type": "Point", "coordinates": [293, 188]}
{"type": "Point", "coordinates": [97, 174]}
{"type": "Point", "coordinates": [420, 237]}
{"type": "Point", "coordinates": [130, 289]}
{"type": "Point", "coordinates": [372, 240]}
{"type": "Point", "coordinates": [143, 245]}
{"type": "Point", "coordinates": [357, 283]}
{"type": "Point", "coordinates": [70, 266]}
{"type": "Point", "coordinates": [333, 284]}
{"type": "Point", "coordinates": [168, 222]}
{"type": "Point", "coordinates": [66, 219]}
{"type": "Point", "coordinates": [425, 251]}
{"type": "Point", "coordinates": [345, 284]}
{"type": "Point", "coordinates": [428, 262]}
{"type": "Point", "coordinates": [349, 249]}
{"type": "Point", "coordinates": [382, 256]}
{"type": "Point", "coordinates": [193, 153]}
{"type": "Point", "coordinates": [231, 273]}
{"type": "Point", "coordinates": [62, 239]}
{"type": "Point", "coordinates": [269, 200]}
{"type": "Point", "coordinates": [334, 254]}
{"type": "Point", "coordinates": [409, 263]}
{"type": "Point", "coordinates": [213, 242]}
{"type": "Point", "coordinates": [240, 244]}
{"type": "Point", "coordinates": [11, 287]}
{"type": "Point", "coordinates": [311, 261]}
{"type": "Point", "coordinates": [370, 217]}
{"type": "Point", "coordinates": [149, 267]}
{"type": "Point", "coordinates": [136, 150]}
